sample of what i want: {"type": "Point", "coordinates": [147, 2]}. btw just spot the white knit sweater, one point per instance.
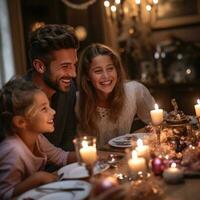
{"type": "Point", "coordinates": [138, 101]}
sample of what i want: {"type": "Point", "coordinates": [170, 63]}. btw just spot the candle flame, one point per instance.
{"type": "Point", "coordinates": [167, 157]}
{"type": "Point", "coordinates": [134, 154]}
{"type": "Point", "coordinates": [139, 143]}
{"type": "Point", "coordinates": [156, 106]}
{"type": "Point", "coordinates": [155, 1]}
{"type": "Point", "coordinates": [84, 144]}
{"type": "Point", "coordinates": [173, 165]}
{"type": "Point", "coordinates": [198, 101]}
{"type": "Point", "coordinates": [138, 2]}
{"type": "Point", "coordinates": [106, 4]}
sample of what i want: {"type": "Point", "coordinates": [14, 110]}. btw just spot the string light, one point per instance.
{"type": "Point", "coordinates": [155, 1]}
{"type": "Point", "coordinates": [117, 1]}
{"type": "Point", "coordinates": [106, 4]}
{"type": "Point", "coordinates": [113, 8]}
{"type": "Point", "coordinates": [137, 2]}
{"type": "Point", "coordinates": [130, 9]}
{"type": "Point", "coordinates": [148, 8]}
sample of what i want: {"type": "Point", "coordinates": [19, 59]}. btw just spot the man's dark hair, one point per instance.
{"type": "Point", "coordinates": [49, 38]}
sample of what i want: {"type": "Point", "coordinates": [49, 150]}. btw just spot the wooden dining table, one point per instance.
{"type": "Point", "coordinates": [188, 190]}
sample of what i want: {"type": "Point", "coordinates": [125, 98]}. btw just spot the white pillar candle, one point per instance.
{"type": "Point", "coordinates": [156, 115]}
{"type": "Point", "coordinates": [88, 153]}
{"type": "Point", "coordinates": [173, 174]}
{"type": "Point", "coordinates": [197, 108]}
{"type": "Point", "coordinates": [136, 164]}
{"type": "Point", "coordinates": [142, 150]}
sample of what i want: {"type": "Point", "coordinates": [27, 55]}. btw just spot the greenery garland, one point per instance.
{"type": "Point", "coordinates": [81, 6]}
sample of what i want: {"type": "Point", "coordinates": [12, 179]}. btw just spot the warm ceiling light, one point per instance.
{"type": "Point", "coordinates": [155, 1]}
{"type": "Point", "coordinates": [106, 4]}
{"type": "Point", "coordinates": [148, 8]}
{"type": "Point", "coordinates": [117, 1]}
{"type": "Point", "coordinates": [137, 2]}
{"type": "Point", "coordinates": [113, 8]}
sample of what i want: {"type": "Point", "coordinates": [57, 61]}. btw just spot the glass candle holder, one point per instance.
{"type": "Point", "coordinates": [157, 130]}
{"type": "Point", "coordinates": [137, 166]}
{"type": "Point", "coordinates": [86, 152]}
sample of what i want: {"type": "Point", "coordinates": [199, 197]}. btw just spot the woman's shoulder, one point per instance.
{"type": "Point", "coordinates": [132, 85]}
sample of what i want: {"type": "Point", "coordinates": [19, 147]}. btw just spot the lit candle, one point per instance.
{"type": "Point", "coordinates": [173, 174]}
{"type": "Point", "coordinates": [136, 164]}
{"type": "Point", "coordinates": [88, 153]}
{"type": "Point", "coordinates": [142, 150]}
{"type": "Point", "coordinates": [157, 115]}
{"type": "Point", "coordinates": [197, 108]}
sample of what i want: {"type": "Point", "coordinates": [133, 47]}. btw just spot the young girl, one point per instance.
{"type": "Point", "coordinates": [25, 114]}
{"type": "Point", "coordinates": [106, 103]}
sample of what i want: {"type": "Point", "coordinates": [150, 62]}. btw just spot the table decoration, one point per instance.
{"type": "Point", "coordinates": [86, 151]}
{"type": "Point", "coordinates": [173, 175]}
{"type": "Point", "coordinates": [143, 150]}
{"type": "Point", "coordinates": [176, 116]}
{"type": "Point", "coordinates": [113, 159]}
{"type": "Point", "coordinates": [158, 166]}
{"type": "Point", "coordinates": [149, 189]}
{"type": "Point", "coordinates": [191, 159]}
{"type": "Point", "coordinates": [136, 165]}
{"type": "Point", "coordinates": [103, 184]}
{"type": "Point", "coordinates": [157, 119]}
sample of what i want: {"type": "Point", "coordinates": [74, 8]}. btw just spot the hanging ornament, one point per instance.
{"type": "Point", "coordinates": [80, 6]}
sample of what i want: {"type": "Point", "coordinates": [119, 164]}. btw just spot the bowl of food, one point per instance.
{"type": "Point", "coordinates": [176, 117]}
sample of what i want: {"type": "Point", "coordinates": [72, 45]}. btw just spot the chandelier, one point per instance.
{"type": "Point", "coordinates": [79, 6]}
{"type": "Point", "coordinates": [133, 8]}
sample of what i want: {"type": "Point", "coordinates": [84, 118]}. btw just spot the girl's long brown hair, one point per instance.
{"type": "Point", "coordinates": [87, 96]}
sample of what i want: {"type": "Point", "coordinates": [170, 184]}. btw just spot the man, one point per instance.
{"type": "Point", "coordinates": [53, 57]}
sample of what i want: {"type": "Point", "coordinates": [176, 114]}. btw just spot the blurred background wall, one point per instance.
{"type": "Point", "coordinates": [158, 40]}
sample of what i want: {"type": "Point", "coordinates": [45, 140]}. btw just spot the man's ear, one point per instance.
{"type": "Point", "coordinates": [19, 122]}
{"type": "Point", "coordinates": [39, 66]}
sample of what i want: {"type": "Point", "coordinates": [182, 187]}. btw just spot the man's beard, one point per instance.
{"type": "Point", "coordinates": [49, 82]}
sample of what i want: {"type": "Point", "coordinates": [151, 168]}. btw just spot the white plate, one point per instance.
{"type": "Point", "coordinates": [48, 194]}
{"type": "Point", "coordinates": [124, 141]}
{"type": "Point", "coordinates": [77, 171]}
{"type": "Point", "coordinates": [58, 195]}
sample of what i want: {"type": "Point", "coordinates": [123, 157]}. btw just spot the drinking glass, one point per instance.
{"type": "Point", "coordinates": [86, 152]}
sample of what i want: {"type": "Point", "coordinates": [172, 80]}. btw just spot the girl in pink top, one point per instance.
{"type": "Point", "coordinates": [25, 114]}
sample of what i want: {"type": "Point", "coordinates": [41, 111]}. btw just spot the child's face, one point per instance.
{"type": "Point", "coordinates": [103, 75]}
{"type": "Point", "coordinates": [40, 115]}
